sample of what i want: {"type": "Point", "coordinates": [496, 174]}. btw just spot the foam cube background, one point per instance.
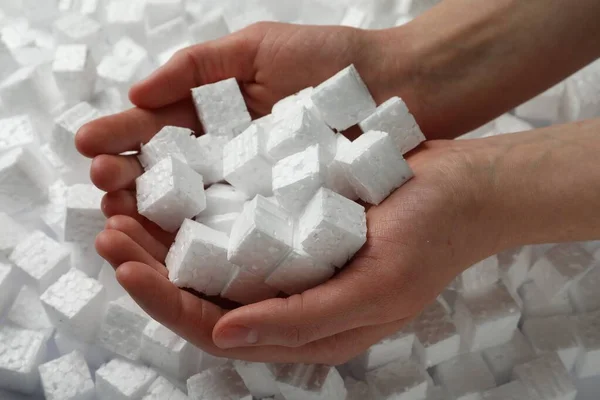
{"type": "Point", "coordinates": [65, 63]}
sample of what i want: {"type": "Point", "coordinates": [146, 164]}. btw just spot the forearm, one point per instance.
{"type": "Point", "coordinates": [472, 60]}
{"type": "Point", "coordinates": [544, 186]}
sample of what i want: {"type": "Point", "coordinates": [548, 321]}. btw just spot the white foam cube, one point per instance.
{"type": "Point", "coordinates": [95, 355]}
{"type": "Point", "coordinates": [85, 258]}
{"type": "Point", "coordinates": [297, 178]}
{"type": "Point", "coordinates": [73, 304]}
{"type": "Point", "coordinates": [21, 92]}
{"type": "Point", "coordinates": [246, 287]}
{"type": "Point", "coordinates": [336, 178]}
{"type": "Point", "coordinates": [67, 378]}
{"type": "Point", "coordinates": [536, 304]}
{"type": "Point", "coordinates": [394, 118]}
{"type": "Point", "coordinates": [544, 107]}
{"type": "Point", "coordinates": [588, 360]}
{"type": "Point", "coordinates": [222, 223]}
{"type": "Point", "coordinates": [580, 100]}
{"type": "Point", "coordinates": [9, 285]}
{"type": "Point", "coordinates": [28, 312]}
{"type": "Point", "coordinates": [162, 389]}
{"type": "Point", "coordinates": [314, 382]}
{"type": "Point", "coordinates": [464, 376]}
{"type": "Point", "coordinates": [84, 218]}
{"type": "Point", "coordinates": [397, 347]}
{"type": "Point", "coordinates": [511, 391]}
{"type": "Point", "coordinates": [221, 108]}
{"type": "Point", "coordinates": [223, 199]}
{"type": "Point", "coordinates": [503, 358]}
{"type": "Point", "coordinates": [210, 27]}
{"type": "Point", "coordinates": [374, 167]}
{"type": "Point", "coordinates": [171, 354]}
{"type": "Point", "coordinates": [198, 259]}
{"type": "Point", "coordinates": [546, 378]}
{"type": "Point", "coordinates": [160, 11]}
{"type": "Point", "coordinates": [21, 352]}
{"type": "Point", "coordinates": [217, 383]}
{"type": "Point", "coordinates": [357, 390]}
{"type": "Point", "coordinates": [77, 28]}
{"type": "Point", "coordinates": [259, 378]}
{"type": "Point", "coordinates": [11, 233]}
{"type": "Point", "coordinates": [560, 267]}
{"type": "Point", "coordinates": [169, 193]}
{"type": "Point", "coordinates": [399, 380]}
{"type": "Point", "coordinates": [514, 266]}
{"type": "Point", "coordinates": [74, 71]}
{"type": "Point", "coordinates": [437, 338]}
{"type": "Point", "coordinates": [343, 100]}
{"type": "Point", "coordinates": [562, 339]}
{"type": "Point", "coordinates": [295, 130]}
{"type": "Point", "coordinates": [165, 35]}
{"type": "Point", "coordinates": [108, 280]}
{"type": "Point", "coordinates": [319, 12]}
{"type": "Point", "coordinates": [170, 141]}
{"type": "Point", "coordinates": [84, 7]}
{"type": "Point", "coordinates": [584, 295]}
{"type": "Point", "coordinates": [208, 160]}
{"type": "Point", "coordinates": [65, 129]}
{"type": "Point", "coordinates": [480, 276]}
{"type": "Point", "coordinates": [261, 237]}
{"type": "Point", "coordinates": [245, 165]}
{"type": "Point", "coordinates": [123, 380]}
{"type": "Point", "coordinates": [332, 228]}
{"type": "Point", "coordinates": [41, 259]}
{"type": "Point", "coordinates": [24, 180]}
{"type": "Point", "coordinates": [282, 108]}
{"type": "Point", "coordinates": [8, 64]}
{"type": "Point", "coordinates": [108, 101]}
{"type": "Point", "coordinates": [125, 18]}
{"type": "Point", "coordinates": [486, 319]}
{"type": "Point", "coordinates": [127, 62]}
{"type": "Point", "coordinates": [122, 328]}
{"type": "Point", "coordinates": [17, 131]}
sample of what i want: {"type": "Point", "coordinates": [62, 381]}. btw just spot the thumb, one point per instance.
{"type": "Point", "coordinates": [229, 57]}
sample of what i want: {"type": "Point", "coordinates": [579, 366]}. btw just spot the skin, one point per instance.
{"type": "Point", "coordinates": [426, 232]}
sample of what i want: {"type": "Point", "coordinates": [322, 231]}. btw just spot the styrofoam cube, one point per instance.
{"type": "Point", "coordinates": [246, 287]}
{"type": "Point", "coordinates": [514, 266]}
{"type": "Point", "coordinates": [85, 257]}
{"type": "Point", "coordinates": [480, 276]}
{"type": "Point", "coordinates": [169, 193]}
{"type": "Point", "coordinates": [315, 382]}
{"type": "Point", "coordinates": [67, 378]}
{"type": "Point", "coordinates": [74, 71]}
{"type": "Point", "coordinates": [400, 380]}
{"type": "Point", "coordinates": [511, 391]}
{"type": "Point", "coordinates": [320, 12]}
{"type": "Point", "coordinates": [282, 108]}
{"type": "Point", "coordinates": [170, 141]}
{"type": "Point", "coordinates": [169, 353]}
{"type": "Point", "coordinates": [437, 338]}
{"type": "Point", "coordinates": [397, 347]}
{"type": "Point", "coordinates": [127, 62]}
{"type": "Point", "coordinates": [217, 383]}
{"type": "Point", "coordinates": [374, 167]}
{"type": "Point", "coordinates": [23, 91]}
{"type": "Point", "coordinates": [584, 294]}
{"type": "Point", "coordinates": [65, 128]}
{"type": "Point", "coordinates": [108, 101]}
{"type": "Point", "coordinates": [9, 285]}
{"type": "Point", "coordinates": [28, 312]}
{"type": "Point", "coordinates": [546, 378]}
{"type": "Point", "coordinates": [94, 355]}
{"type": "Point", "coordinates": [210, 27]}
{"type": "Point", "coordinates": [394, 118]}
{"type": "Point", "coordinates": [297, 178]}
{"type": "Point", "coordinates": [221, 108]}
{"type": "Point", "coordinates": [73, 304]}
{"type": "Point", "coordinates": [343, 100]}
{"type": "Point", "coordinates": [42, 259]}
{"type": "Point", "coordinates": [464, 376]}
{"type": "Point", "coordinates": [543, 107]}
{"type": "Point", "coordinates": [503, 358]}
{"type": "Point", "coordinates": [223, 199]}
{"type": "Point", "coordinates": [562, 340]}
{"type": "Point", "coordinates": [24, 180]}
{"type": "Point", "coordinates": [162, 389]}
{"type": "Point", "coordinates": [336, 178]}
{"type": "Point", "coordinates": [580, 100]}
{"type": "Point", "coordinates": [588, 334]}
{"type": "Point", "coordinates": [123, 380]}
{"type": "Point", "coordinates": [357, 390]}
{"type": "Point", "coordinates": [198, 259]}
{"type": "Point", "coordinates": [560, 267]}
{"type": "Point", "coordinates": [84, 219]}
{"type": "Point", "coordinates": [21, 352]}
{"type": "Point", "coordinates": [160, 11]}
{"type": "Point", "coordinates": [163, 36]}
{"type": "Point", "coordinates": [108, 280]}
{"type": "Point", "coordinates": [296, 129]}
{"type": "Point", "coordinates": [125, 18]}
{"type": "Point", "coordinates": [354, 17]}
{"type": "Point", "coordinates": [8, 64]}
{"type": "Point", "coordinates": [77, 28]}
{"type": "Point", "coordinates": [508, 123]}
{"type": "Point", "coordinates": [84, 7]}
{"type": "Point", "coordinates": [222, 223]}
{"type": "Point", "coordinates": [122, 328]}
{"type": "Point", "coordinates": [332, 228]}
{"type": "Point", "coordinates": [245, 165]}
{"type": "Point", "coordinates": [11, 233]}
{"type": "Point", "coordinates": [536, 304]}
{"type": "Point", "coordinates": [261, 237]}
{"type": "Point", "coordinates": [17, 131]}
{"type": "Point", "coordinates": [259, 378]}
{"type": "Point", "coordinates": [208, 160]}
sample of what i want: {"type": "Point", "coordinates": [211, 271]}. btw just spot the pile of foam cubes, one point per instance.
{"type": "Point", "coordinates": [268, 207]}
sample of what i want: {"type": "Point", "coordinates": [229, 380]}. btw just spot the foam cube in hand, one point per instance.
{"type": "Point", "coordinates": [261, 237]}
{"type": "Point", "coordinates": [503, 358]}
{"type": "Point", "coordinates": [67, 378]}
{"type": "Point", "coordinates": [374, 167]}
{"type": "Point", "coordinates": [221, 108]}
{"type": "Point", "coordinates": [398, 380]}
{"type": "Point", "coordinates": [208, 161]}
{"type": "Point", "coordinates": [162, 389]}
{"type": "Point", "coordinates": [217, 383]}
{"type": "Point", "coordinates": [259, 378]}
{"type": "Point", "coordinates": [21, 352]}
{"type": "Point", "coordinates": [42, 259]}
{"type": "Point", "coordinates": [394, 118]}
{"type": "Point", "coordinates": [75, 72]}
{"type": "Point", "coordinates": [223, 199]}
{"type": "Point", "coordinates": [169, 193]}
{"type": "Point", "coordinates": [546, 378]}
{"type": "Point", "coordinates": [123, 380]}
{"type": "Point", "coordinates": [245, 287]}
{"type": "Point", "coordinates": [198, 259]}
{"type": "Point", "coordinates": [9, 284]}
{"type": "Point", "coordinates": [125, 18]}
{"type": "Point", "coordinates": [222, 223]}
{"type": "Point", "coordinates": [28, 312]}
{"type": "Point", "coordinates": [84, 219]}
{"type": "Point", "coordinates": [73, 304]}
{"type": "Point", "coordinates": [332, 228]}
{"type": "Point", "coordinates": [336, 178]}
{"type": "Point", "coordinates": [170, 141]}
{"type": "Point", "coordinates": [343, 100]}
{"type": "Point", "coordinates": [437, 338]}
{"type": "Point", "coordinates": [318, 382]}
{"type": "Point", "coordinates": [562, 340]}
{"type": "Point", "coordinates": [11, 233]}
{"type": "Point", "coordinates": [297, 178]}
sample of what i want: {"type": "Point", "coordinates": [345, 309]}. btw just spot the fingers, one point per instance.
{"type": "Point", "coordinates": [116, 134]}
{"type": "Point", "coordinates": [139, 234]}
{"type": "Point", "coordinates": [229, 57]}
{"type": "Point", "coordinates": [111, 173]}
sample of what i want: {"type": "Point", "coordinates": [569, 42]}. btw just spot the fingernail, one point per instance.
{"type": "Point", "coordinates": [236, 336]}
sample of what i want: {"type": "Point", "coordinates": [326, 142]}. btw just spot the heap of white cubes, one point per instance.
{"type": "Point", "coordinates": [259, 208]}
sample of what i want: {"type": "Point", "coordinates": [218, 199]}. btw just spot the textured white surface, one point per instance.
{"type": "Point", "coordinates": [314, 382]}
{"type": "Point", "coordinates": [511, 391]}
{"type": "Point", "coordinates": [66, 126]}
{"type": "Point", "coordinates": [398, 380]}
{"type": "Point", "coordinates": [480, 276]}
{"type": "Point", "coordinates": [219, 383]}
{"type": "Point", "coordinates": [553, 335]}
{"type": "Point", "coordinates": [210, 27]}
{"type": "Point", "coordinates": [162, 389]}
{"type": "Point", "coordinates": [437, 338]}
{"type": "Point", "coordinates": [84, 218]}
{"type": "Point", "coordinates": [123, 380]}
{"type": "Point", "coordinates": [546, 377]}
{"type": "Point", "coordinates": [223, 199]}
{"type": "Point", "coordinates": [514, 266]}
{"type": "Point", "coordinates": [588, 333]}
{"type": "Point", "coordinates": [28, 312]}
{"type": "Point", "coordinates": [536, 304]}
{"type": "Point", "coordinates": [17, 131]}
{"type": "Point", "coordinates": [464, 376]}
{"type": "Point", "coordinates": [584, 294]}
{"type": "Point", "coordinates": [67, 378]}
{"type": "Point", "coordinates": [259, 378]}
{"type": "Point", "coordinates": [503, 358]}
{"type": "Point", "coordinates": [21, 352]}
{"type": "Point", "coordinates": [336, 178]}
{"type": "Point", "coordinates": [11, 233]}
{"type": "Point", "coordinates": [246, 287]}
{"type": "Point", "coordinates": [74, 71]}
{"type": "Point", "coordinates": [94, 355]}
